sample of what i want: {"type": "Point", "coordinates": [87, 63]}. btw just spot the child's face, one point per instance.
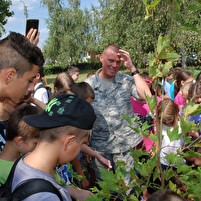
{"type": "Point", "coordinates": [169, 78]}
{"type": "Point", "coordinates": [190, 79]}
{"type": "Point", "coordinates": [185, 95]}
{"type": "Point", "coordinates": [90, 100]}
{"type": "Point", "coordinates": [75, 76]}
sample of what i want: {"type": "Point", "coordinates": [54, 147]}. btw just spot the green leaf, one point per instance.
{"type": "Point", "coordinates": [194, 7]}
{"type": "Point", "coordinates": [173, 159]}
{"type": "Point", "coordinates": [174, 134]}
{"type": "Point", "coordinates": [127, 118]}
{"type": "Point", "coordinates": [166, 68]}
{"type": "Point", "coordinates": [192, 109]}
{"type": "Point", "coordinates": [190, 27]}
{"type": "Point", "coordinates": [172, 55]}
{"type": "Point", "coordinates": [187, 125]}
{"type": "Point", "coordinates": [191, 153]}
{"type": "Point", "coordinates": [172, 186]}
{"type": "Point", "coordinates": [154, 4]}
{"type": "Point", "coordinates": [163, 43]}
{"type": "Point", "coordinates": [154, 137]}
{"type": "Point", "coordinates": [183, 169]}
{"type": "Point", "coordinates": [151, 59]}
{"type": "Point", "coordinates": [152, 102]}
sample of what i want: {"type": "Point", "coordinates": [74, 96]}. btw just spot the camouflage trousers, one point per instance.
{"type": "Point", "coordinates": [125, 156]}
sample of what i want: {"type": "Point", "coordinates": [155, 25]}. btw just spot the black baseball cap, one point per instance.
{"type": "Point", "coordinates": [62, 110]}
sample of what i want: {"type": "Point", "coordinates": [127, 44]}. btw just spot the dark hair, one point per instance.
{"type": "Point", "coordinates": [13, 130]}
{"type": "Point", "coordinates": [83, 90]}
{"type": "Point", "coordinates": [144, 74]}
{"type": "Point", "coordinates": [198, 78]}
{"type": "Point", "coordinates": [41, 72]}
{"type": "Point", "coordinates": [165, 195]}
{"type": "Point", "coordinates": [18, 52]}
{"type": "Point", "coordinates": [176, 71]}
{"type": "Point", "coordinates": [181, 76]}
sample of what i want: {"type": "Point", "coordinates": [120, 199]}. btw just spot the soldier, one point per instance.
{"type": "Point", "coordinates": [111, 135]}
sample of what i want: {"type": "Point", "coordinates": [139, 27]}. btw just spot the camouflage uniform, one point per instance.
{"type": "Point", "coordinates": [111, 133]}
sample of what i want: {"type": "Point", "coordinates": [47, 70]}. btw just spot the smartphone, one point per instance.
{"type": "Point", "coordinates": [31, 23]}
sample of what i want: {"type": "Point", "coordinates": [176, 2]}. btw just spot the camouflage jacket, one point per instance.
{"type": "Point", "coordinates": [111, 133]}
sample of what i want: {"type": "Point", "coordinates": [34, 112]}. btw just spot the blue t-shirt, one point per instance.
{"type": "Point", "coordinates": [3, 125]}
{"type": "Point", "coordinates": [172, 91]}
{"type": "Point", "coordinates": [197, 119]}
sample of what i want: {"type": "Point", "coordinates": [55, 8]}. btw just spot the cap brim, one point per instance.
{"type": "Point", "coordinates": [42, 121]}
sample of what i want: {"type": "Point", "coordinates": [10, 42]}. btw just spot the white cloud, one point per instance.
{"type": "Point", "coordinates": [44, 30]}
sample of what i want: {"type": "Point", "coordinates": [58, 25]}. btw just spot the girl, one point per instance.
{"type": "Point", "coordinates": [167, 112]}
{"type": "Point", "coordinates": [182, 78]}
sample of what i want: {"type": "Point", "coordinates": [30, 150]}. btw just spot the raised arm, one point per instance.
{"type": "Point", "coordinates": [141, 85]}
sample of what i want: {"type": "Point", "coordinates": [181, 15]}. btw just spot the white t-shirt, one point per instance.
{"type": "Point", "coordinates": [41, 93]}
{"type": "Point", "coordinates": [168, 147]}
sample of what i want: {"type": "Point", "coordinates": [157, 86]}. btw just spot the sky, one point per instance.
{"type": "Point", "coordinates": [35, 10]}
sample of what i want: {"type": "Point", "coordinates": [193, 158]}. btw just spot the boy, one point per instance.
{"type": "Point", "coordinates": [19, 64]}
{"type": "Point", "coordinates": [40, 91]}
{"type": "Point", "coordinates": [64, 127]}
{"type": "Point", "coordinates": [21, 138]}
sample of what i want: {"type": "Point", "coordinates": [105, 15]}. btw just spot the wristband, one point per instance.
{"type": "Point", "coordinates": [135, 72]}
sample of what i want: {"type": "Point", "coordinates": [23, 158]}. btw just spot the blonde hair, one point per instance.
{"type": "Point", "coordinates": [167, 112]}
{"type": "Point", "coordinates": [63, 82]}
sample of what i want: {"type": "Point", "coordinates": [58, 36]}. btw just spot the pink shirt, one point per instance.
{"type": "Point", "coordinates": [143, 109]}
{"type": "Point", "coordinates": [179, 100]}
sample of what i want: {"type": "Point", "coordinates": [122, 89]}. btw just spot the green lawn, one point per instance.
{"type": "Point", "coordinates": [83, 74]}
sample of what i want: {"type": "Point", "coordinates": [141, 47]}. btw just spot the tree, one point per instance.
{"type": "Point", "coordinates": [69, 34]}
{"type": "Point", "coordinates": [123, 22]}
{"type": "Point", "coordinates": [4, 13]}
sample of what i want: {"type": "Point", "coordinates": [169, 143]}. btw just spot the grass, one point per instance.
{"type": "Point", "coordinates": [82, 77]}
{"type": "Point", "coordinates": [83, 74]}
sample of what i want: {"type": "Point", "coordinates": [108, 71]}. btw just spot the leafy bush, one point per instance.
{"type": "Point", "coordinates": [49, 70]}
{"type": "Point", "coordinates": [147, 173]}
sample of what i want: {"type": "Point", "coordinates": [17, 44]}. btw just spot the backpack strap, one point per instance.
{"type": "Point", "coordinates": [48, 89]}
{"type": "Point", "coordinates": [41, 85]}
{"type": "Point", "coordinates": [9, 179]}
{"type": "Point", "coordinates": [32, 186]}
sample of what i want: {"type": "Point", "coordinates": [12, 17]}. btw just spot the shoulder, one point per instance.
{"type": "Point", "coordinates": [94, 79]}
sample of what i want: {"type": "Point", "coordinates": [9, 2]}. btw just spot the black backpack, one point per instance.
{"type": "Point", "coordinates": [26, 188]}
{"type": "Point", "coordinates": [49, 90]}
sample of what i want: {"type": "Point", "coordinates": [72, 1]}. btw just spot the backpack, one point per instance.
{"type": "Point", "coordinates": [26, 188]}
{"type": "Point", "coordinates": [49, 90]}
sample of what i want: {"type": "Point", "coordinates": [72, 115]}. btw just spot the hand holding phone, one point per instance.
{"type": "Point", "coordinates": [32, 30]}
{"type": "Point", "coordinates": [31, 23]}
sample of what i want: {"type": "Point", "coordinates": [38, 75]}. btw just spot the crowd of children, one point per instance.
{"type": "Point", "coordinates": [54, 130]}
